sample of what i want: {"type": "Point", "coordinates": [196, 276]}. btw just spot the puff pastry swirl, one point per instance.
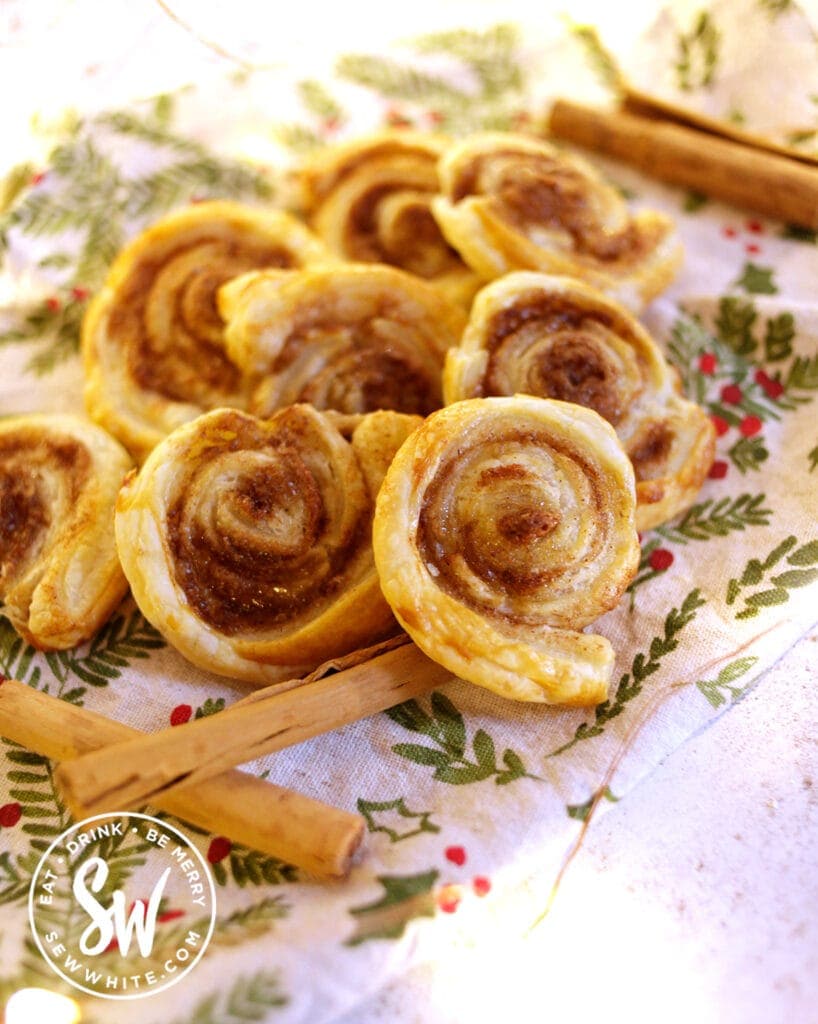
{"type": "Point", "coordinates": [511, 202]}
{"type": "Point", "coordinates": [370, 201]}
{"type": "Point", "coordinates": [247, 542]}
{"type": "Point", "coordinates": [559, 338]}
{"type": "Point", "coordinates": [504, 526]}
{"type": "Point", "coordinates": [60, 577]}
{"type": "Point", "coordinates": [152, 337]}
{"type": "Point", "coordinates": [353, 338]}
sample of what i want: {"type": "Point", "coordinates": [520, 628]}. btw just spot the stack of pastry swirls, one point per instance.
{"type": "Point", "coordinates": [421, 397]}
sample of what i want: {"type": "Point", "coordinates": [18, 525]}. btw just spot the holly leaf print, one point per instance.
{"type": "Point", "coordinates": [395, 819]}
{"type": "Point", "coordinates": [404, 898]}
{"type": "Point", "coordinates": [757, 280]}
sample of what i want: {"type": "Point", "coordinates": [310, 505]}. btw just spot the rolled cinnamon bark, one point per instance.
{"type": "Point", "coordinates": [295, 828]}
{"type": "Point", "coordinates": [764, 182]}
{"type": "Point", "coordinates": [157, 766]}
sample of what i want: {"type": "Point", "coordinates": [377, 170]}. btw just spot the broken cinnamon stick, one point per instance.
{"type": "Point", "coordinates": [152, 767]}
{"type": "Point", "coordinates": [295, 828]}
{"type": "Point", "coordinates": [744, 175]}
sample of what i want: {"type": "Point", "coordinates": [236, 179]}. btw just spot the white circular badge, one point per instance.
{"type": "Point", "coordinates": [122, 905]}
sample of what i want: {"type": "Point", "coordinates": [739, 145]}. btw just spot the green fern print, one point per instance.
{"type": "Point", "coordinates": [493, 99]}
{"type": "Point", "coordinates": [445, 728]}
{"type": "Point", "coordinates": [802, 560]}
{"type": "Point", "coordinates": [87, 190]}
{"type": "Point", "coordinates": [644, 665]}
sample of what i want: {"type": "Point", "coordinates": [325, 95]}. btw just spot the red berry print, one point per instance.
{"type": "Point", "coordinates": [721, 425]}
{"type": "Point", "coordinates": [37, 178]}
{"type": "Point", "coordinates": [481, 885]}
{"type": "Point", "coordinates": [732, 394]}
{"type": "Point", "coordinates": [707, 363]}
{"type": "Point", "coordinates": [170, 915]}
{"type": "Point", "coordinates": [755, 226]}
{"type": "Point", "coordinates": [434, 117]}
{"type": "Point", "coordinates": [772, 388]}
{"type": "Point", "coordinates": [661, 559]}
{"type": "Point", "coordinates": [396, 118]}
{"type": "Point", "coordinates": [456, 854]}
{"type": "Point", "coordinates": [448, 899]}
{"type": "Point", "coordinates": [10, 814]}
{"type": "Point", "coordinates": [729, 232]}
{"type": "Point", "coordinates": [53, 303]}
{"type": "Point", "coordinates": [218, 849]}
{"type": "Point", "coordinates": [752, 249]}
{"type": "Point", "coordinates": [79, 293]}
{"type": "Point", "coordinates": [181, 714]}
{"type": "Point", "coordinates": [750, 426]}
{"type": "Point", "coordinates": [718, 471]}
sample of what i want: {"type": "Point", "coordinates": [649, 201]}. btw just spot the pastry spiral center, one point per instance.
{"type": "Point", "coordinates": [265, 525]}
{"type": "Point", "coordinates": [505, 526]}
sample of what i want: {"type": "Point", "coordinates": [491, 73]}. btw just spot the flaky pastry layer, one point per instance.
{"type": "Point", "coordinates": [511, 202]}
{"type": "Point", "coordinates": [354, 338]}
{"type": "Point", "coordinates": [60, 577]}
{"type": "Point", "coordinates": [555, 337]}
{"type": "Point", "coordinates": [370, 200]}
{"type": "Point", "coordinates": [247, 542]}
{"type": "Point", "coordinates": [503, 527]}
{"type": "Point", "coordinates": [152, 338]}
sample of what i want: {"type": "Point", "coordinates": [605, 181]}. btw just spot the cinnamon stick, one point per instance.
{"type": "Point", "coordinates": [269, 818]}
{"type": "Point", "coordinates": [152, 767]}
{"type": "Point", "coordinates": [744, 175]}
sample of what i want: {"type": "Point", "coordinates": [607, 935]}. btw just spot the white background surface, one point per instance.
{"type": "Point", "coordinates": [695, 898]}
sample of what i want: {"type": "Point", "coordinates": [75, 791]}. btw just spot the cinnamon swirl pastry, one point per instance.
{"type": "Point", "coordinates": [60, 577]}
{"type": "Point", "coordinates": [504, 526]}
{"type": "Point", "coordinates": [152, 338]}
{"type": "Point", "coordinates": [369, 200]}
{"type": "Point", "coordinates": [247, 542]}
{"type": "Point", "coordinates": [511, 202]}
{"type": "Point", "coordinates": [559, 338]}
{"type": "Point", "coordinates": [353, 338]}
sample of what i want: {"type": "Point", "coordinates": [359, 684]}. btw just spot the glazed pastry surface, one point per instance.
{"type": "Point", "coordinates": [370, 201]}
{"type": "Point", "coordinates": [503, 527]}
{"type": "Point", "coordinates": [353, 338]}
{"type": "Point", "coordinates": [555, 337]}
{"type": "Point", "coordinates": [512, 202]}
{"type": "Point", "coordinates": [60, 577]}
{"type": "Point", "coordinates": [152, 338]}
{"type": "Point", "coordinates": [247, 542]}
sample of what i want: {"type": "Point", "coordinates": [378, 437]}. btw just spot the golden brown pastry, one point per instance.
{"type": "Point", "coordinates": [369, 199]}
{"type": "Point", "coordinates": [247, 542]}
{"type": "Point", "coordinates": [559, 338]}
{"type": "Point", "coordinates": [511, 202]}
{"type": "Point", "coordinates": [60, 577]}
{"type": "Point", "coordinates": [353, 338]}
{"type": "Point", "coordinates": [152, 338]}
{"type": "Point", "coordinates": [504, 526]}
